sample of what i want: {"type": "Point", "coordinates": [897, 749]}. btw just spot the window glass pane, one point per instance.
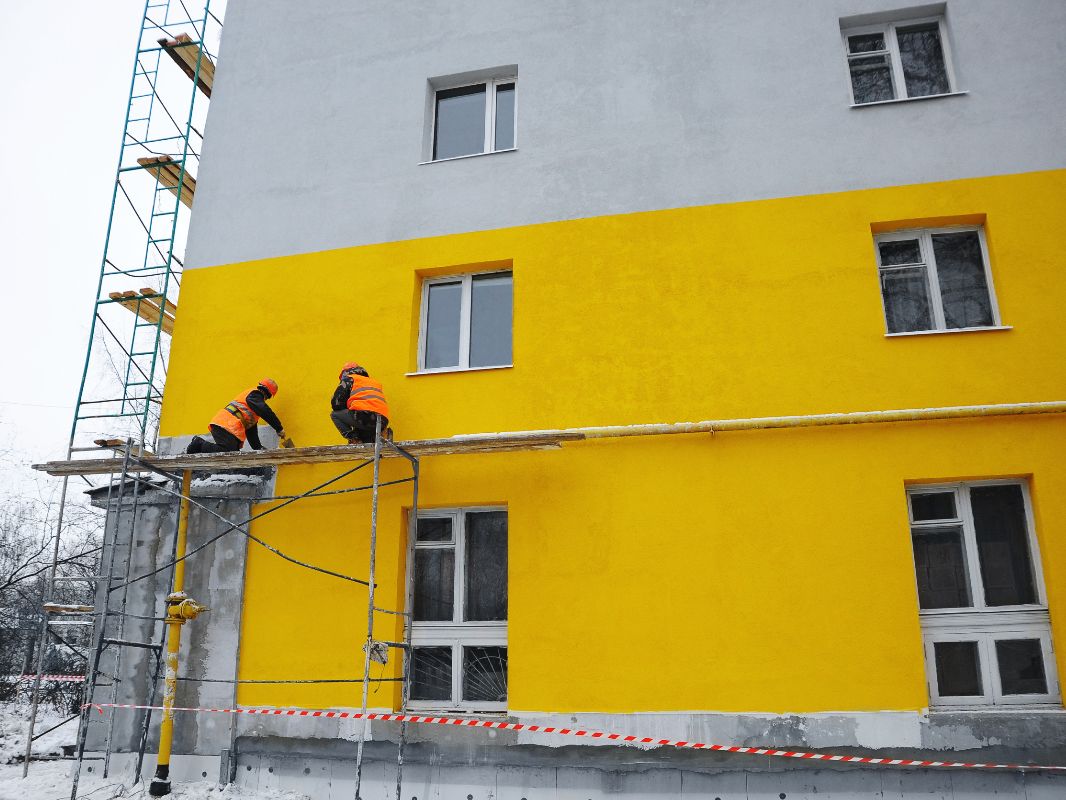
{"type": "Point", "coordinates": [434, 584]}
{"type": "Point", "coordinates": [490, 320]}
{"type": "Point", "coordinates": [957, 671]}
{"type": "Point", "coordinates": [923, 59]}
{"type": "Point", "coordinates": [431, 673]}
{"type": "Point", "coordinates": [893, 254]}
{"type": "Point", "coordinates": [486, 566]}
{"type": "Point", "coordinates": [459, 129]}
{"type": "Point", "coordinates": [485, 674]}
{"type": "Point", "coordinates": [1003, 544]}
{"type": "Point", "coordinates": [443, 308]}
{"type": "Point", "coordinates": [871, 79]}
{"type": "Point", "coordinates": [434, 529]}
{"type": "Point", "coordinates": [960, 268]}
{"type": "Point", "coordinates": [1021, 666]}
{"type": "Point", "coordinates": [906, 296]}
{"type": "Point", "coordinates": [505, 116]}
{"type": "Point", "coordinates": [930, 506]}
{"type": "Point", "coordinates": [866, 43]}
{"type": "Point", "coordinates": [940, 564]}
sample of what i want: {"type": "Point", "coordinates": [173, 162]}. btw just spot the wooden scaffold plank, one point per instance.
{"type": "Point", "coordinates": [168, 172]}
{"type": "Point", "coordinates": [185, 53]}
{"type": "Point", "coordinates": [459, 445]}
{"type": "Point", "coordinates": [149, 305]}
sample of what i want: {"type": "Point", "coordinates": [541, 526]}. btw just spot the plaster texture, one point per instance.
{"type": "Point", "coordinates": [318, 120]}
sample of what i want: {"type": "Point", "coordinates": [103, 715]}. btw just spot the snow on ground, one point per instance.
{"type": "Point", "coordinates": [14, 723]}
{"type": "Point", "coordinates": [51, 780]}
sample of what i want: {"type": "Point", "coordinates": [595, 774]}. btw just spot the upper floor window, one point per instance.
{"type": "Point", "coordinates": [459, 624]}
{"type": "Point", "coordinates": [983, 611]}
{"type": "Point", "coordinates": [466, 322]}
{"type": "Point", "coordinates": [936, 279]}
{"type": "Point", "coordinates": [898, 60]}
{"type": "Point", "coordinates": [474, 118]}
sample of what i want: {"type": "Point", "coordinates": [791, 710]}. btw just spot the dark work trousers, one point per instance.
{"type": "Point", "coordinates": [358, 424]}
{"type": "Point", "coordinates": [225, 442]}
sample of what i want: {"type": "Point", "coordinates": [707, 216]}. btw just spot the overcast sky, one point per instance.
{"type": "Point", "coordinates": [63, 104]}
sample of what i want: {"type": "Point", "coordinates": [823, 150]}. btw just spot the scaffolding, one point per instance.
{"type": "Point", "coordinates": [180, 608]}
{"type": "Point", "coordinates": [125, 362]}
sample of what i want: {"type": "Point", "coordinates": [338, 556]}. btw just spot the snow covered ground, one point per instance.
{"type": "Point", "coordinates": [51, 780]}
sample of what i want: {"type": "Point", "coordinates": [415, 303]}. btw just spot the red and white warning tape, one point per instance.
{"type": "Point", "coordinates": [71, 678]}
{"type": "Point", "coordinates": [517, 726]}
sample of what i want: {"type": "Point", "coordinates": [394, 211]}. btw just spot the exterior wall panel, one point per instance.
{"type": "Point", "coordinates": [767, 571]}
{"type": "Point", "coordinates": [318, 114]}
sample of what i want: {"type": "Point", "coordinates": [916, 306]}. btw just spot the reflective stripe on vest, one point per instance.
{"type": "Point", "coordinates": [236, 417]}
{"type": "Point", "coordinates": [242, 412]}
{"type": "Point", "coordinates": [367, 395]}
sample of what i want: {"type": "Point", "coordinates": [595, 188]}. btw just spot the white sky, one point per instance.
{"type": "Point", "coordinates": [63, 104]}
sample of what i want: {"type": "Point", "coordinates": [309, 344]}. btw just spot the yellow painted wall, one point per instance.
{"type": "Point", "coordinates": [759, 571]}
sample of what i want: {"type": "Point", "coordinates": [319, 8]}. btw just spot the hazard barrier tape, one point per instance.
{"type": "Point", "coordinates": [518, 726]}
{"type": "Point", "coordinates": [19, 678]}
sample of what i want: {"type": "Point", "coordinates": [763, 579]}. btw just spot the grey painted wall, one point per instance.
{"type": "Point", "coordinates": [209, 644]}
{"type": "Point", "coordinates": [317, 121]}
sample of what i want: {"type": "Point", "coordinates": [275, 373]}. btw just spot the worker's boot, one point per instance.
{"type": "Point", "coordinates": [388, 433]}
{"type": "Point", "coordinates": [196, 445]}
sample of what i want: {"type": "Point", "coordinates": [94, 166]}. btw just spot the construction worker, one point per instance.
{"type": "Point", "coordinates": [358, 403]}
{"type": "Point", "coordinates": [238, 421]}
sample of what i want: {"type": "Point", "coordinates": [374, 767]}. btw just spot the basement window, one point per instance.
{"type": "Point", "coordinates": [459, 625]}
{"type": "Point", "coordinates": [898, 60]}
{"type": "Point", "coordinates": [474, 118]}
{"type": "Point", "coordinates": [983, 609]}
{"type": "Point", "coordinates": [936, 280]}
{"type": "Point", "coordinates": [466, 322]}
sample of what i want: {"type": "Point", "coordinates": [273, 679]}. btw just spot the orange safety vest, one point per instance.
{"type": "Point", "coordinates": [367, 395]}
{"type": "Point", "coordinates": [237, 417]}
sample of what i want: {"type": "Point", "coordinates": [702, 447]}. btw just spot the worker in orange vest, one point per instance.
{"type": "Point", "coordinates": [238, 421]}
{"type": "Point", "coordinates": [357, 404]}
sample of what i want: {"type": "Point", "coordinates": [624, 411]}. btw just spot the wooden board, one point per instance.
{"type": "Point", "coordinates": [460, 445]}
{"type": "Point", "coordinates": [168, 172]}
{"type": "Point", "coordinates": [185, 52]}
{"type": "Point", "coordinates": [147, 307]}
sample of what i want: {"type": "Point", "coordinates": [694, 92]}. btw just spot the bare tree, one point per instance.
{"type": "Point", "coordinates": [28, 522]}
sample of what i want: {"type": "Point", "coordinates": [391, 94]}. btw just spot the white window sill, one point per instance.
{"type": "Point", "coordinates": [907, 99]}
{"type": "Point", "coordinates": [951, 330]}
{"type": "Point", "coordinates": [425, 708]}
{"type": "Point", "coordinates": [446, 370]}
{"type": "Point", "coordinates": [469, 155]}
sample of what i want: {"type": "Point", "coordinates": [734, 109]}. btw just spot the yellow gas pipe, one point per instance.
{"type": "Point", "coordinates": [179, 609]}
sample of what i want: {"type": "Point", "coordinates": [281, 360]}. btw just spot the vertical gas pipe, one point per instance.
{"type": "Point", "coordinates": [179, 609]}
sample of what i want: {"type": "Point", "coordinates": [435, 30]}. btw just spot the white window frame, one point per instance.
{"type": "Point", "coordinates": [899, 82]}
{"type": "Point", "coordinates": [932, 278]}
{"type": "Point", "coordinates": [986, 636]}
{"type": "Point", "coordinates": [980, 622]}
{"type": "Point", "coordinates": [488, 144]}
{"type": "Point", "coordinates": [467, 281]}
{"type": "Point", "coordinates": [456, 633]}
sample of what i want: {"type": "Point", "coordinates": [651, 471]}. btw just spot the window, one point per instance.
{"type": "Point", "coordinates": [459, 625]}
{"type": "Point", "coordinates": [476, 118]}
{"type": "Point", "coordinates": [898, 60]}
{"type": "Point", "coordinates": [466, 322]}
{"type": "Point", "coordinates": [984, 617]}
{"type": "Point", "coordinates": [935, 280]}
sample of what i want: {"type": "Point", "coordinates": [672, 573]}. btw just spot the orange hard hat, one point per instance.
{"type": "Point", "coordinates": [349, 366]}
{"type": "Point", "coordinates": [270, 385]}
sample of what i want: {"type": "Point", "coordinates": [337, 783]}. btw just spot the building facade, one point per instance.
{"type": "Point", "coordinates": [527, 216]}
